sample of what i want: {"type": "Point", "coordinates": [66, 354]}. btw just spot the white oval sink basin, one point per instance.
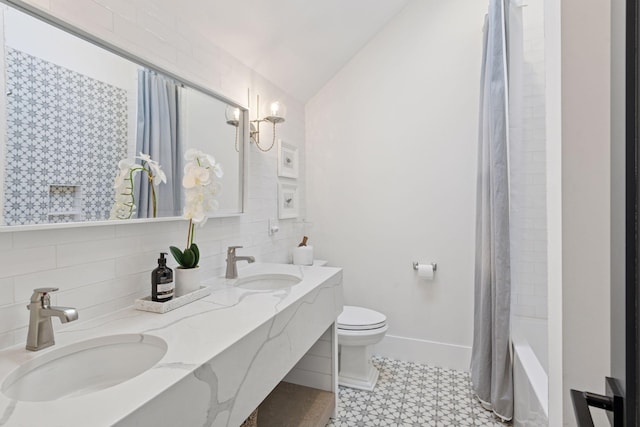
{"type": "Point", "coordinates": [268, 282]}
{"type": "Point", "coordinates": [85, 367]}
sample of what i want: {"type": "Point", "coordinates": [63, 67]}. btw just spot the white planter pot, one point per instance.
{"type": "Point", "coordinates": [187, 280]}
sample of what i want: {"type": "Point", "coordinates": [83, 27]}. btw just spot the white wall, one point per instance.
{"type": "Point", "coordinates": [553, 122]}
{"type": "Point", "coordinates": [391, 145]}
{"type": "Point", "coordinates": [29, 35]}
{"type": "Point", "coordinates": [579, 84]}
{"type": "Point", "coordinates": [103, 268]}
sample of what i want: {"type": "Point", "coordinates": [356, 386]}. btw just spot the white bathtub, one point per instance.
{"type": "Point", "coordinates": [530, 372]}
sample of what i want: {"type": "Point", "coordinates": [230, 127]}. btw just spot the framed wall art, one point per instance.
{"type": "Point", "coordinates": [287, 160]}
{"type": "Point", "coordinates": [288, 201]}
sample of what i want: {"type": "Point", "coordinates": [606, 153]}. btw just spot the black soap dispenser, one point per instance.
{"type": "Point", "coordinates": [162, 281]}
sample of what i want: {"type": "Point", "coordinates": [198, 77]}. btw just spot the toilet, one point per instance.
{"type": "Point", "coordinates": [358, 330]}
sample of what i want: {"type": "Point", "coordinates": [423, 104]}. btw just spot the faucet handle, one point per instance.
{"type": "Point", "coordinates": [40, 293]}
{"type": "Point", "coordinates": [45, 290]}
{"type": "Point", "coordinates": [232, 249]}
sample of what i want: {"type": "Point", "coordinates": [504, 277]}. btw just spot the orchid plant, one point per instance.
{"type": "Point", "coordinates": [200, 190]}
{"type": "Point", "coordinates": [124, 206]}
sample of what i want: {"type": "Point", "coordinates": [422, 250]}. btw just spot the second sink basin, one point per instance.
{"type": "Point", "coordinates": [84, 367]}
{"type": "Point", "coordinates": [264, 282]}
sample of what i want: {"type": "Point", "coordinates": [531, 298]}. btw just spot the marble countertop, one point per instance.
{"type": "Point", "coordinates": [195, 334]}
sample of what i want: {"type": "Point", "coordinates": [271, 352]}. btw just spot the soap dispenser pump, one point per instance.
{"type": "Point", "coordinates": [162, 287]}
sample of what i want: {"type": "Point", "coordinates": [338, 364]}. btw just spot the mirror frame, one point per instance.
{"type": "Point", "coordinates": [93, 39]}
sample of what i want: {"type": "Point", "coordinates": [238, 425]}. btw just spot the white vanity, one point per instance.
{"type": "Point", "coordinates": [224, 355]}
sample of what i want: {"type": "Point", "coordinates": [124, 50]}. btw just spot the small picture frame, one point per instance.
{"type": "Point", "coordinates": [287, 160]}
{"type": "Point", "coordinates": [288, 201]}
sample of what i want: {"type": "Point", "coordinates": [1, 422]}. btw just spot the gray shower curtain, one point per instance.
{"type": "Point", "coordinates": [159, 136]}
{"type": "Point", "coordinates": [491, 364]}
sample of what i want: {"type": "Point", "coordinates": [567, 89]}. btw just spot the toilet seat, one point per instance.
{"type": "Point", "coordinates": [360, 319]}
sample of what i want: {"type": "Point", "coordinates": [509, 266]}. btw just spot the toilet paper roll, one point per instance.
{"type": "Point", "coordinates": [303, 255]}
{"type": "Point", "coordinates": [425, 271]}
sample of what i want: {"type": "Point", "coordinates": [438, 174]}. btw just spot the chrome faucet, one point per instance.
{"type": "Point", "coordinates": [40, 333]}
{"type": "Point", "coordinates": [232, 268]}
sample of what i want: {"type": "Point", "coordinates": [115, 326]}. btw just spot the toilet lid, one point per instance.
{"type": "Point", "coordinates": [360, 318]}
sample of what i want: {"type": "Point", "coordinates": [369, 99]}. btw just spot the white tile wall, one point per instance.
{"type": "Point", "coordinates": [104, 268]}
{"type": "Point", "coordinates": [528, 177]}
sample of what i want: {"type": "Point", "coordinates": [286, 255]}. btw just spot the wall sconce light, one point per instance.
{"type": "Point", "coordinates": [233, 118]}
{"type": "Point", "coordinates": [277, 112]}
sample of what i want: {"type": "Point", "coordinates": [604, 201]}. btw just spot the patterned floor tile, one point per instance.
{"type": "Point", "coordinates": [413, 395]}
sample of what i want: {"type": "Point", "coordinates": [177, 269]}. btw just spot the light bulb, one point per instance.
{"type": "Point", "coordinates": [277, 112]}
{"type": "Point", "coordinates": [233, 115]}
{"type": "Point", "coordinates": [275, 106]}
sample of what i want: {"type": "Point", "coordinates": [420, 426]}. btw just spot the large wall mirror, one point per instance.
{"type": "Point", "coordinates": [74, 110]}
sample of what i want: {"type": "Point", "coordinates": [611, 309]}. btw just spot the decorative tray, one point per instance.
{"type": "Point", "coordinates": [145, 304]}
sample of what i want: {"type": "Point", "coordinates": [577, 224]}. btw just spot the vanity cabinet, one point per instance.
{"type": "Point", "coordinates": [224, 354]}
{"type": "Point", "coordinates": [298, 344]}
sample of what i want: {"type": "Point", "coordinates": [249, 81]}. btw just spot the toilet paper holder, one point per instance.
{"type": "Point", "coordinates": [433, 264]}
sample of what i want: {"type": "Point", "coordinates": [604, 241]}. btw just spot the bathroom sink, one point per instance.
{"type": "Point", "coordinates": [85, 367]}
{"type": "Point", "coordinates": [267, 282]}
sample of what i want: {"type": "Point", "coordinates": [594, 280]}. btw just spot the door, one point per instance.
{"type": "Point", "coordinates": [621, 397]}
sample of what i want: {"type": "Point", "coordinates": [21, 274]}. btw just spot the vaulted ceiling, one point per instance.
{"type": "Point", "coordinates": [297, 44]}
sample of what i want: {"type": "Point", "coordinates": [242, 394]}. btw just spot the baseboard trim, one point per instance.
{"type": "Point", "coordinates": [431, 353]}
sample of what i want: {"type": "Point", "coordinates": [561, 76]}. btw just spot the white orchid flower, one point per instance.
{"type": "Point", "coordinates": [122, 197]}
{"type": "Point", "coordinates": [124, 200]}
{"type": "Point", "coordinates": [210, 160]}
{"type": "Point", "coordinates": [194, 212]}
{"type": "Point", "coordinates": [192, 154]}
{"type": "Point", "coordinates": [211, 205]}
{"type": "Point", "coordinates": [217, 170]}
{"type": "Point", "coordinates": [200, 188]}
{"type": "Point", "coordinates": [213, 189]}
{"type": "Point", "coordinates": [157, 173]}
{"type": "Point", "coordinates": [126, 164]}
{"type": "Point", "coordinates": [195, 176]}
{"type": "Point", "coordinates": [144, 157]}
{"type": "Point", "coordinates": [162, 176]}
{"type": "Point", "coordinates": [120, 211]}
{"type": "Point", "coordinates": [119, 181]}
{"type": "Point", "coordinates": [193, 201]}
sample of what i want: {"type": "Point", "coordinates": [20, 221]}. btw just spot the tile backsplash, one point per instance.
{"type": "Point", "coordinates": [104, 268]}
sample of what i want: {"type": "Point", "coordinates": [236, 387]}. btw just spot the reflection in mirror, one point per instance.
{"type": "Point", "coordinates": [75, 111]}
{"type": "Point", "coordinates": [204, 127]}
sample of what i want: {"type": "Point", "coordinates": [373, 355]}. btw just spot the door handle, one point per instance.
{"type": "Point", "coordinates": [613, 403]}
{"type": "Point", "coordinates": [581, 409]}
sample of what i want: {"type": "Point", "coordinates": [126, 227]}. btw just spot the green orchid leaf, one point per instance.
{"type": "Point", "coordinates": [196, 251]}
{"type": "Point", "coordinates": [177, 254]}
{"type": "Point", "coordinates": [189, 258]}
